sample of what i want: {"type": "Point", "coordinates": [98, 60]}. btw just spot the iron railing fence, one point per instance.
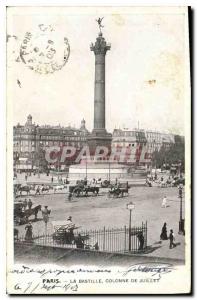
{"type": "Point", "coordinates": [114, 240]}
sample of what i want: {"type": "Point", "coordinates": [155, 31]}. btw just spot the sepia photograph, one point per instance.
{"type": "Point", "coordinates": [98, 150]}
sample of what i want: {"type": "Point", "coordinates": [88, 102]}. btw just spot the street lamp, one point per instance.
{"type": "Point", "coordinates": [45, 214]}
{"type": "Point", "coordinates": [86, 169]}
{"type": "Point", "coordinates": [130, 206]}
{"type": "Point", "coordinates": [181, 220]}
{"type": "Point", "coordinates": [109, 172]}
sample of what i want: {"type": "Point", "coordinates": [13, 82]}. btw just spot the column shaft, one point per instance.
{"type": "Point", "coordinates": [99, 92]}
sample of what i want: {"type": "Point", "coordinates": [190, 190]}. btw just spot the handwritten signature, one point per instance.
{"type": "Point", "coordinates": [153, 269]}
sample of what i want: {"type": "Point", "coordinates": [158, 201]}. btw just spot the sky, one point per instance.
{"type": "Point", "coordinates": [146, 68]}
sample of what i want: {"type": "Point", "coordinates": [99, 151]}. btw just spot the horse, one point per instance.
{"type": "Point", "coordinates": [38, 189]}
{"type": "Point", "coordinates": [36, 210]}
{"type": "Point", "coordinates": [58, 188]}
{"type": "Point", "coordinates": [163, 184]}
{"type": "Point", "coordinates": [118, 192]}
{"type": "Point", "coordinates": [76, 190]}
{"type": "Point", "coordinates": [32, 211]}
{"type": "Point", "coordinates": [45, 188]}
{"type": "Point", "coordinates": [25, 188]}
{"type": "Point", "coordinates": [92, 189]}
{"type": "Point", "coordinates": [124, 190]}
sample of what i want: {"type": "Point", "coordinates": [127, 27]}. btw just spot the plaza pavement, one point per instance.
{"type": "Point", "coordinates": [96, 212]}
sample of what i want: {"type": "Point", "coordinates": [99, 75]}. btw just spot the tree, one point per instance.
{"type": "Point", "coordinates": [39, 160]}
{"type": "Point", "coordinates": [159, 158]}
{"type": "Point", "coordinates": [175, 154]}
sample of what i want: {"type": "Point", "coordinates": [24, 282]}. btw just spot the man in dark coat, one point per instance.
{"type": "Point", "coordinates": [141, 241]}
{"type": "Point", "coordinates": [172, 239]}
{"type": "Point", "coordinates": [29, 203]}
{"type": "Point", "coordinates": [25, 204]}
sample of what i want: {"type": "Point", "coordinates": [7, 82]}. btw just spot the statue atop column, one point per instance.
{"type": "Point", "coordinates": [100, 46]}
{"type": "Point", "coordinates": [99, 21]}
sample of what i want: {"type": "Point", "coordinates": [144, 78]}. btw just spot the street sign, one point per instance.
{"type": "Point", "coordinates": [130, 206]}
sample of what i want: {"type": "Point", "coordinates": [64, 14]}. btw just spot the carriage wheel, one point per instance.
{"type": "Point", "coordinates": [77, 192]}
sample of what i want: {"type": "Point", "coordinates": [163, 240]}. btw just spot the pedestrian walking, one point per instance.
{"type": "Point", "coordinates": [164, 202]}
{"type": "Point", "coordinates": [29, 232]}
{"type": "Point", "coordinates": [163, 235]}
{"type": "Point", "coordinates": [172, 239]}
{"type": "Point", "coordinates": [141, 240]}
{"type": "Point", "coordinates": [29, 203]}
{"type": "Point", "coordinates": [52, 179]}
{"type": "Point", "coordinates": [25, 204]}
{"type": "Point", "coordinates": [69, 196]}
{"type": "Point", "coordinates": [38, 190]}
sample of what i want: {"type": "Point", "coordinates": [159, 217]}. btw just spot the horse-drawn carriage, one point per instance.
{"type": "Point", "coordinates": [21, 215]}
{"type": "Point", "coordinates": [20, 188]}
{"type": "Point", "coordinates": [118, 190]}
{"type": "Point", "coordinates": [80, 190]}
{"type": "Point", "coordinates": [64, 233]}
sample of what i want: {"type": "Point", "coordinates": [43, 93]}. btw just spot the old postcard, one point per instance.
{"type": "Point", "coordinates": [98, 150]}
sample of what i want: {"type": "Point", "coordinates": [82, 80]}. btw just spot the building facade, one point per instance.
{"type": "Point", "coordinates": [134, 142]}
{"type": "Point", "coordinates": [142, 143]}
{"type": "Point", "coordinates": [156, 140]}
{"type": "Point", "coordinates": [30, 138]}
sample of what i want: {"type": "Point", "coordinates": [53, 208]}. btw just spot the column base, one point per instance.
{"type": "Point", "coordinates": [99, 137]}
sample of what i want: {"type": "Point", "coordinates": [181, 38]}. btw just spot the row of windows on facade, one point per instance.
{"type": "Point", "coordinates": [127, 144]}
{"type": "Point", "coordinates": [33, 131]}
{"type": "Point", "coordinates": [19, 145]}
{"type": "Point", "coordinates": [155, 137]}
{"type": "Point", "coordinates": [43, 138]}
{"type": "Point", "coordinates": [120, 133]}
{"type": "Point", "coordinates": [148, 145]}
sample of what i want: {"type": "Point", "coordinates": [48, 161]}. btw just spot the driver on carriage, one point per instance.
{"type": "Point", "coordinates": [69, 229]}
{"type": "Point", "coordinates": [93, 182]}
{"type": "Point", "coordinates": [69, 224]}
{"type": "Point", "coordinates": [117, 186]}
{"type": "Point", "coordinates": [69, 221]}
{"type": "Point", "coordinates": [38, 190]}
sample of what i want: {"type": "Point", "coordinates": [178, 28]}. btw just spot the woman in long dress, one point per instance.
{"type": "Point", "coordinates": [29, 232]}
{"type": "Point", "coordinates": [163, 235]}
